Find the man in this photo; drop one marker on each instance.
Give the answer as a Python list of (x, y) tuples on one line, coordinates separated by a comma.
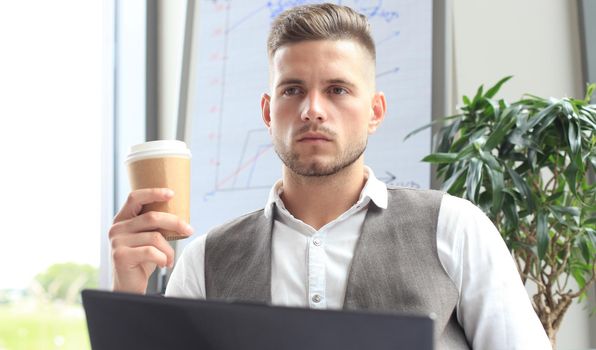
[(332, 235)]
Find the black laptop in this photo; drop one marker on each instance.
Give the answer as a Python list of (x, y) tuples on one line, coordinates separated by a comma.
[(127, 321)]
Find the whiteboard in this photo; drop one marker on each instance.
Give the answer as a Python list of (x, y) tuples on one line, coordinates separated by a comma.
[(233, 163)]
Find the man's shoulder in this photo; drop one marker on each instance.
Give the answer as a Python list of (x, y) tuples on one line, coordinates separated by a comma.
[(240, 223), (414, 194), (393, 188), (448, 203)]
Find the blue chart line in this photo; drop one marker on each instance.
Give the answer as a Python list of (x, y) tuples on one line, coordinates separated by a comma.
[(279, 6), (237, 171), (371, 11), (388, 178), (219, 187), (391, 71), (245, 147), (247, 17), (254, 164), (221, 98), (377, 11), (393, 35), (282, 5)]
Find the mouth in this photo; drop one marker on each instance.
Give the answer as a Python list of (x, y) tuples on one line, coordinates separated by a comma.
[(313, 137)]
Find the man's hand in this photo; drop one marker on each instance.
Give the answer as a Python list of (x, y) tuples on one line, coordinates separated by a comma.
[(137, 245)]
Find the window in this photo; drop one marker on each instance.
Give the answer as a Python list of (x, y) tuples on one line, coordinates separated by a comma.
[(53, 93)]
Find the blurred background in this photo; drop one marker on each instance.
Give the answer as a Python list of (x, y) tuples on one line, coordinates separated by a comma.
[(52, 102), (81, 81)]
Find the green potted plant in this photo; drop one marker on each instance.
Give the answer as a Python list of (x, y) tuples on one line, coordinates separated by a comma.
[(526, 164)]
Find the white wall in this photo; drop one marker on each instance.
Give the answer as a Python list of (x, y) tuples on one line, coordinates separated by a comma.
[(536, 41)]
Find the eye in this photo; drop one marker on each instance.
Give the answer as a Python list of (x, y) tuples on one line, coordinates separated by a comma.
[(291, 91), (338, 90)]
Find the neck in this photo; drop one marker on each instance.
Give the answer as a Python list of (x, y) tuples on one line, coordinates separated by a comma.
[(318, 200)]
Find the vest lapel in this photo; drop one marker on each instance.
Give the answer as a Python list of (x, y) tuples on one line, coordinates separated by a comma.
[(395, 261), (369, 277), (238, 262)]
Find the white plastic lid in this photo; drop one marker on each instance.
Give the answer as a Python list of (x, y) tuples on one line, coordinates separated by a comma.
[(160, 148)]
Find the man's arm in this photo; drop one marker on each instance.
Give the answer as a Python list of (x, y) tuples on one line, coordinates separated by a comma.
[(493, 307)]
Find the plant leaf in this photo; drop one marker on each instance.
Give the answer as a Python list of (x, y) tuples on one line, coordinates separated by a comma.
[(590, 221), (441, 158), (554, 196), (473, 180), (466, 100), (546, 112), (587, 249), (584, 116), (494, 110), (498, 133), (489, 160), (518, 138), (447, 134), (478, 95), (558, 216), (542, 233), (573, 211), (577, 273), (589, 92), (466, 152), (497, 183), (574, 137), (510, 210), (493, 90), (571, 175), (449, 183), (440, 120), (546, 122), (522, 187)]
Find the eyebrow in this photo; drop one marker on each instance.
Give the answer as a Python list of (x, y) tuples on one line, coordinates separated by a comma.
[(341, 82), (292, 81)]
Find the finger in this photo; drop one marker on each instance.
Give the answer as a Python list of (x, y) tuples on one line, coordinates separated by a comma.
[(132, 257), (141, 239), (151, 221), (136, 199)]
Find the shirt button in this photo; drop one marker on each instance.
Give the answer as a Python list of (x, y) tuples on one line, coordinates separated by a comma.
[(316, 298), (316, 242)]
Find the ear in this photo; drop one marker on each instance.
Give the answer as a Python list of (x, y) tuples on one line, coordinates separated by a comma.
[(265, 110), (379, 108)]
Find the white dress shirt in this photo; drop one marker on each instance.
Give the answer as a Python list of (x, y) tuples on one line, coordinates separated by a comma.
[(309, 268)]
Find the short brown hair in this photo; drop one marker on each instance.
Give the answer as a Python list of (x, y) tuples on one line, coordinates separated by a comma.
[(320, 22)]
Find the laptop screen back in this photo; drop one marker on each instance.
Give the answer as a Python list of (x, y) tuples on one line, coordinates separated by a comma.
[(126, 321)]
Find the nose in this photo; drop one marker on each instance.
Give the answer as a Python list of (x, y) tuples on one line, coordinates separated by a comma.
[(313, 108)]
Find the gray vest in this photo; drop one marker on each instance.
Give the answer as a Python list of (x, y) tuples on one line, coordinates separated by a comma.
[(395, 267)]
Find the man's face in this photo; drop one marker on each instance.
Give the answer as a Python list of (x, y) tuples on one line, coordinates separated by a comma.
[(322, 105)]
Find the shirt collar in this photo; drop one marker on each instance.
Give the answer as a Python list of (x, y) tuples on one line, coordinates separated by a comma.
[(374, 189)]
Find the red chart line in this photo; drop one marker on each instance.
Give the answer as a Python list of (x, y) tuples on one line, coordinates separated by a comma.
[(242, 167)]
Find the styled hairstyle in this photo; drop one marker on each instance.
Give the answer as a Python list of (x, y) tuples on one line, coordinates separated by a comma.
[(320, 22)]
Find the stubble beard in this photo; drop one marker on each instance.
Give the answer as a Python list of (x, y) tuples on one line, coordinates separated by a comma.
[(315, 168)]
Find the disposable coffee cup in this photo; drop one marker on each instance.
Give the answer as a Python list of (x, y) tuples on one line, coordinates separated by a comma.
[(163, 164)]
